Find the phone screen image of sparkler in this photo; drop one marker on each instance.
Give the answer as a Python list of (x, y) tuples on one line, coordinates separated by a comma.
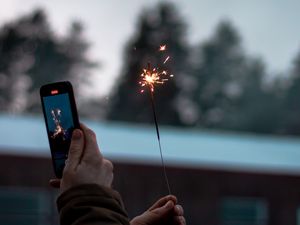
[(60, 126)]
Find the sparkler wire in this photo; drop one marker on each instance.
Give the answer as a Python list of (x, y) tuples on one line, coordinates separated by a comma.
[(158, 139)]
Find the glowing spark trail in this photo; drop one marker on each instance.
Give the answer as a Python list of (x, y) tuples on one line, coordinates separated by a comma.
[(149, 78), (166, 59)]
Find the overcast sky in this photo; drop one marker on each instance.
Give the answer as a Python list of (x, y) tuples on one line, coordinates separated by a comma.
[(269, 28)]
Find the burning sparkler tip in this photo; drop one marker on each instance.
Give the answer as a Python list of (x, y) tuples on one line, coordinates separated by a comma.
[(162, 48), (153, 75)]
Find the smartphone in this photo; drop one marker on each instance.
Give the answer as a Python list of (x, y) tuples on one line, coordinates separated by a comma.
[(61, 118)]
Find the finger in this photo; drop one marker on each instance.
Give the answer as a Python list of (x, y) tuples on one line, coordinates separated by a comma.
[(54, 183), (76, 149), (179, 220), (91, 146), (108, 165), (164, 210), (163, 201), (178, 210)]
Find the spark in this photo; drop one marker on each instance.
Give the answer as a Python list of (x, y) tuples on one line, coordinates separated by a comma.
[(151, 77), (166, 60), (154, 76), (162, 48)]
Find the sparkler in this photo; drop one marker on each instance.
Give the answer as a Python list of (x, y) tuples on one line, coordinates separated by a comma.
[(56, 114), (151, 77)]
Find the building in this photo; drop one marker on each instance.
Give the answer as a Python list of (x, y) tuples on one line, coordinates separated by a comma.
[(220, 178)]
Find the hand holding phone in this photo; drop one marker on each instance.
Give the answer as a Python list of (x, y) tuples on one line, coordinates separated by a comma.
[(61, 118), (86, 164)]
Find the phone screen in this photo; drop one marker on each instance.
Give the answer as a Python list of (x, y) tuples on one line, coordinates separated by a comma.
[(60, 125)]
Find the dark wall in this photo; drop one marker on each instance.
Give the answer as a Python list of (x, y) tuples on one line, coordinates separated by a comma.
[(199, 190)]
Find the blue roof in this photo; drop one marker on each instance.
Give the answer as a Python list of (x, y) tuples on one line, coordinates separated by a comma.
[(26, 135)]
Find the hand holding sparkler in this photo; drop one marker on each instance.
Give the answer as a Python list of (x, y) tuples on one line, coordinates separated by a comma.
[(164, 211)]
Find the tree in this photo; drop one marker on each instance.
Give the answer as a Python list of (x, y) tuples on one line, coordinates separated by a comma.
[(219, 72), (76, 47), (157, 26), (259, 108), (291, 105), (31, 55), (231, 93)]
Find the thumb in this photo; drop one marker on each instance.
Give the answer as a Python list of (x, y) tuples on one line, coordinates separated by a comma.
[(54, 183), (165, 209), (76, 149)]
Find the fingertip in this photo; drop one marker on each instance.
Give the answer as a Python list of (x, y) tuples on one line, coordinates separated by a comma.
[(54, 183), (52, 180), (77, 134), (178, 210), (76, 147), (83, 126), (172, 198), (163, 201), (169, 204)]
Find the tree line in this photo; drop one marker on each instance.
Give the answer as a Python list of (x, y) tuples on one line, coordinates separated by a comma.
[(32, 54), (216, 84)]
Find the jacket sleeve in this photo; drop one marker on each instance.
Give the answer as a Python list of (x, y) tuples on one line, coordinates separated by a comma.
[(91, 204)]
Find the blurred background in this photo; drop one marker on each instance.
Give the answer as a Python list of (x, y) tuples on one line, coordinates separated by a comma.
[(229, 118)]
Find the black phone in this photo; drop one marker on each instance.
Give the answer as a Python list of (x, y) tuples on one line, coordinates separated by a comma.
[(61, 118)]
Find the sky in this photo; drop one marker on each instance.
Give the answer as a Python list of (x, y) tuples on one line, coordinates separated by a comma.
[(269, 28)]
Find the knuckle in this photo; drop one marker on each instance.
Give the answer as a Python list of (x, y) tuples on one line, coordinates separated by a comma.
[(108, 164), (112, 177), (74, 147), (183, 220), (96, 160), (99, 158), (92, 134), (67, 172)]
